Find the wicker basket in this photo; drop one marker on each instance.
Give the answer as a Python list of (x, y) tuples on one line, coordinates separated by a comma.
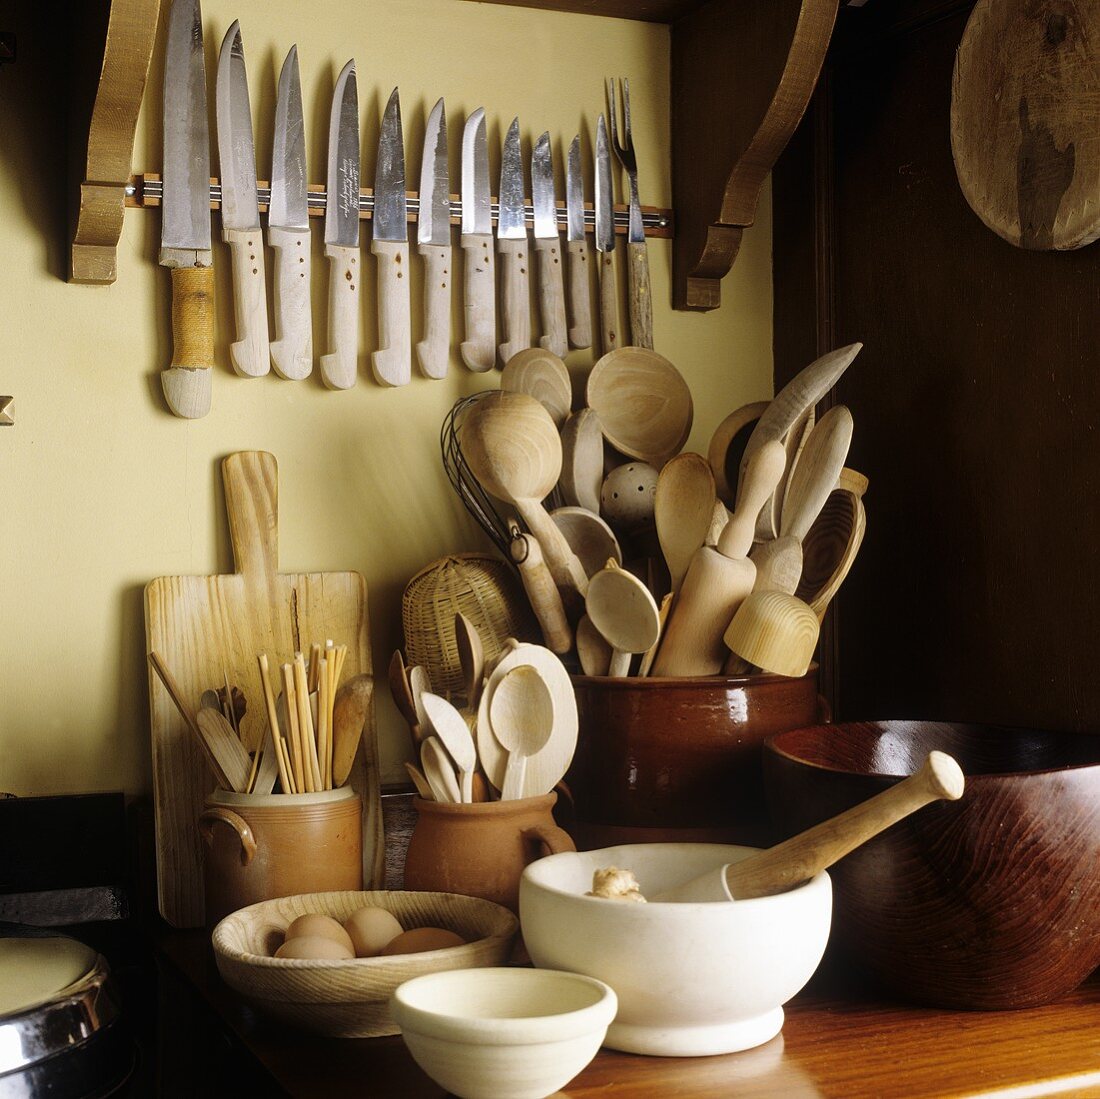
[(485, 590)]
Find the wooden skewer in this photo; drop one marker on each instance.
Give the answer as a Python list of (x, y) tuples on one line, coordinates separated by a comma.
[(314, 657), (296, 753), (305, 724), (253, 770), (232, 715), (285, 772), (324, 728)]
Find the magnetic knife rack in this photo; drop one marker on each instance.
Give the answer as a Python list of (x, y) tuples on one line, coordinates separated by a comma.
[(146, 190)]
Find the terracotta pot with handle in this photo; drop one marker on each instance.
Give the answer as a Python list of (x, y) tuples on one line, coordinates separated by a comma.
[(481, 849), (258, 847)]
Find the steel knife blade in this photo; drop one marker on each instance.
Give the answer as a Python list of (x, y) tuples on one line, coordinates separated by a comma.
[(512, 244), (548, 250), (433, 234), (185, 214), (605, 242), (392, 361), (288, 230), (580, 308), (338, 367), (479, 287), (251, 354)]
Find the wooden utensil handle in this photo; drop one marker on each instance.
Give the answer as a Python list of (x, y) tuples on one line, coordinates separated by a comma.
[(610, 336), (807, 854), (641, 297), (564, 565), (551, 296), (580, 305), (433, 352), (479, 348), (340, 366), (186, 382), (514, 774), (761, 476), (292, 350), (392, 362), (542, 594), (251, 354), (515, 296), (209, 817), (620, 664)]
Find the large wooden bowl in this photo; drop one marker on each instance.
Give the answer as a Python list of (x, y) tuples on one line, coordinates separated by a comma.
[(350, 999), (989, 902)]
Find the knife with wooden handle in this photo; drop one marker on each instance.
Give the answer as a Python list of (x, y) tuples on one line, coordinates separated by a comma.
[(288, 230), (514, 248), (479, 289), (185, 223), (605, 244), (580, 307), (548, 250), (433, 234), (340, 366)]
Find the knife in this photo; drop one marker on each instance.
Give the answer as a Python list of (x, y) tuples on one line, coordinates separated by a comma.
[(580, 308), (479, 292), (185, 222), (288, 230), (513, 248), (338, 367), (251, 354), (392, 362), (548, 250), (605, 243), (433, 235)]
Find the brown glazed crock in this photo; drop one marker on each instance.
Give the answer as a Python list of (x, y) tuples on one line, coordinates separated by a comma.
[(664, 759), (989, 902), (481, 849), (258, 847)]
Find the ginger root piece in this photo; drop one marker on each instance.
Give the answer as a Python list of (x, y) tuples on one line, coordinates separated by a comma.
[(616, 885)]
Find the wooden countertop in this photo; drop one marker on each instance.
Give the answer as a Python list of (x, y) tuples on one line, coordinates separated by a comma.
[(839, 1041)]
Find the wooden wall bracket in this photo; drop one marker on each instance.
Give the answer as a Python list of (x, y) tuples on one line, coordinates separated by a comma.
[(742, 73), (131, 32)]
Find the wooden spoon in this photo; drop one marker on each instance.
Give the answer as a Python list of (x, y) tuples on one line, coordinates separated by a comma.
[(683, 510), (349, 715), (402, 692), (419, 683), (806, 855), (439, 772), (419, 781), (451, 728), (512, 447), (591, 539), (582, 459), (650, 655), (522, 716), (225, 746), (471, 657), (593, 651), (623, 610), (830, 549), (542, 375), (727, 445), (643, 403)]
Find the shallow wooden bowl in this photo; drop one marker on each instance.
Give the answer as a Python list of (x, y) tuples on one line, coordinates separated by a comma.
[(989, 902), (350, 999)]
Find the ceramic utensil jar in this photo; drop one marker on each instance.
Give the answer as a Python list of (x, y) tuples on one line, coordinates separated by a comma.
[(258, 847), (481, 850)]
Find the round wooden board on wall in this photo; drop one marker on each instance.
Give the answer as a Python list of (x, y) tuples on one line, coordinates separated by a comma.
[(1025, 120)]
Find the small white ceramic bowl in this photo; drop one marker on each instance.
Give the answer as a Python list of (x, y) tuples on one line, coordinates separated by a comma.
[(503, 1033), (692, 978)]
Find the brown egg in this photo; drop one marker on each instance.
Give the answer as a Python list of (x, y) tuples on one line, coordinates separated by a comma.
[(420, 939), (313, 946), (370, 930), (325, 927)]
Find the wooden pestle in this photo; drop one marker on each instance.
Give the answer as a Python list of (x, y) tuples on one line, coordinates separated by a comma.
[(718, 578), (804, 856)]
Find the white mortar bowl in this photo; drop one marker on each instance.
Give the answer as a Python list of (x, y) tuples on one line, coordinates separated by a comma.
[(503, 1033), (692, 979)]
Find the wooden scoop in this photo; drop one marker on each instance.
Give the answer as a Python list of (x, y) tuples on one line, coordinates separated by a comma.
[(402, 694), (540, 374), (683, 511), (512, 447), (223, 744), (830, 549), (582, 470), (522, 716), (590, 538), (451, 728), (349, 714), (806, 855), (625, 613)]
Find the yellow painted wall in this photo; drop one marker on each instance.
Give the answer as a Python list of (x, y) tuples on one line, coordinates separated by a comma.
[(102, 489)]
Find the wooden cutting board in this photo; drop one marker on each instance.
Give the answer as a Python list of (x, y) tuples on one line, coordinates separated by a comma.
[(201, 625), (1025, 120)]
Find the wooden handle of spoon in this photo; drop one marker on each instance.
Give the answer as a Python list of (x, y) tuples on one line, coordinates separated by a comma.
[(542, 593), (804, 856), (761, 476)]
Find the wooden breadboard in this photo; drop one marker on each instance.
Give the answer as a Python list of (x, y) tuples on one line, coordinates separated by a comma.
[(206, 625)]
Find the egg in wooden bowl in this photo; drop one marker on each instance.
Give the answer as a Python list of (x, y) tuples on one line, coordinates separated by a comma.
[(349, 997)]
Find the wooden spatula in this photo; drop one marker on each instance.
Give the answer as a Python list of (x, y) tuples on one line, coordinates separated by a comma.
[(225, 747), (349, 714)]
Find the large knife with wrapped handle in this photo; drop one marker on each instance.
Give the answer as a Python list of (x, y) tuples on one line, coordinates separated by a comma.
[(339, 367), (392, 362), (251, 354), (288, 230), (433, 235), (479, 347), (548, 250), (514, 249), (185, 221)]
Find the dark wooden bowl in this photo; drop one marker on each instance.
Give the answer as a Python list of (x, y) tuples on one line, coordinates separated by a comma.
[(662, 759), (992, 901)]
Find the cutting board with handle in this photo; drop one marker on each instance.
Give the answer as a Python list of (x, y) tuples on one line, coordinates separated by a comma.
[(205, 627)]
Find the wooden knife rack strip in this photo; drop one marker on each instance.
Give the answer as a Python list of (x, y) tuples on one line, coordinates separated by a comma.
[(145, 190)]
